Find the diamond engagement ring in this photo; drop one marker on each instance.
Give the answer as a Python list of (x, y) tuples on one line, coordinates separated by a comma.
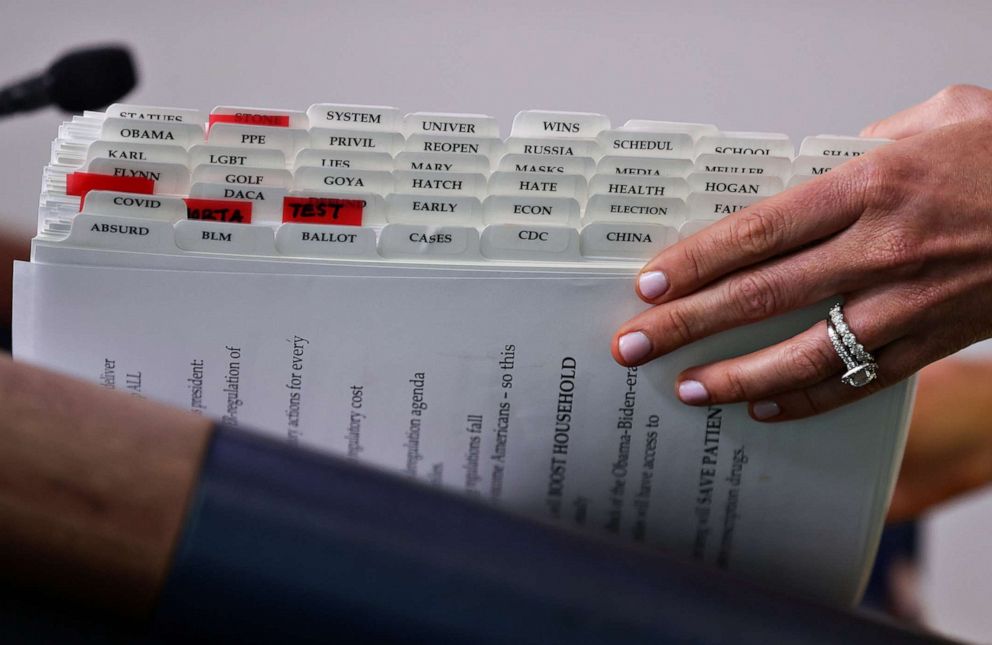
[(861, 366)]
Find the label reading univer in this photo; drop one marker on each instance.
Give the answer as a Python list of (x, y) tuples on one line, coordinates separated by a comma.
[(322, 210), (218, 210)]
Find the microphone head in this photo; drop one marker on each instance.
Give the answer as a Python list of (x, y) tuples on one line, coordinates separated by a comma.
[(92, 78)]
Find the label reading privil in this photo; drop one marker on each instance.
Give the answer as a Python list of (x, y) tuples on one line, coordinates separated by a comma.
[(218, 210), (322, 210)]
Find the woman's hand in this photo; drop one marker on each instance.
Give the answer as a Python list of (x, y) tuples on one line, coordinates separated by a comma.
[(903, 233), (949, 450)]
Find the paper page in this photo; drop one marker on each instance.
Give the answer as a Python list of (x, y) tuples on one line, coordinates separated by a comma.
[(503, 388)]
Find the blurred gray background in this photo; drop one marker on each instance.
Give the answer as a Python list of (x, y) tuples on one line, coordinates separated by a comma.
[(794, 67)]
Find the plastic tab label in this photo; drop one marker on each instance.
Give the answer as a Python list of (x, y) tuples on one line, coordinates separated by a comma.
[(80, 183), (218, 210), (322, 210), (544, 123), (160, 207), (354, 117)]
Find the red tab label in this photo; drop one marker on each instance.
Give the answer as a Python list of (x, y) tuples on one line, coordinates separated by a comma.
[(322, 210), (218, 210), (248, 118), (80, 183)]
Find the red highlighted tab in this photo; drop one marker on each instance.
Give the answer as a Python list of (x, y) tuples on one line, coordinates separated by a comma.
[(218, 210), (322, 210), (80, 183), (249, 118)]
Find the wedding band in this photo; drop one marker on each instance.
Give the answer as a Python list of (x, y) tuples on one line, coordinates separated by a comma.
[(861, 366)]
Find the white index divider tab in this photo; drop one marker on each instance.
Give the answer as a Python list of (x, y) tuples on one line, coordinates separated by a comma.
[(242, 177), (490, 147), (766, 144), (554, 147), (550, 124), (697, 130), (780, 167), (157, 207), (693, 226), (465, 184), (236, 156), (354, 117), (257, 136), (151, 132), (137, 152), (266, 201), (532, 241), (717, 182), (344, 159), (647, 143), (644, 166), (155, 113), (122, 233), (527, 209), (829, 145), (326, 241), (713, 206), (466, 125), (265, 117), (547, 164), (169, 178), (428, 241), (434, 209), (376, 182), (670, 211), (538, 185), (442, 162), (634, 240), (639, 186), (366, 140), (223, 237), (805, 165)]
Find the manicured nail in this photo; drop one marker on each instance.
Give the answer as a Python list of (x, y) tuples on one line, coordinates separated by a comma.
[(634, 346), (693, 392), (652, 284), (765, 410)]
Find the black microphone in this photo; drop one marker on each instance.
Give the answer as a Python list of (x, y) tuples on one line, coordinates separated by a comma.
[(83, 79)]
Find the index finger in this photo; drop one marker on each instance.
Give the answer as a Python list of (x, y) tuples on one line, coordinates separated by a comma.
[(771, 227)]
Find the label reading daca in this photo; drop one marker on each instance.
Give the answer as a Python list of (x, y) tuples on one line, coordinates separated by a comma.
[(218, 210), (322, 210)]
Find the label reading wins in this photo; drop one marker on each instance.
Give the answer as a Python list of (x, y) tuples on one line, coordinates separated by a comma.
[(80, 183), (248, 118), (322, 210), (219, 210)]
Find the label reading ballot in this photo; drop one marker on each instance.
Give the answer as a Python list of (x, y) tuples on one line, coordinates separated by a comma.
[(322, 210)]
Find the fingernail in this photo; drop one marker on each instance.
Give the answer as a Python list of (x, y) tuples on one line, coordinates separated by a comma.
[(693, 392), (765, 410), (652, 284), (634, 346)]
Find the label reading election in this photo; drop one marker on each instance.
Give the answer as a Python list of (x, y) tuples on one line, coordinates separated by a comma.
[(249, 118), (80, 183), (322, 210), (218, 210)]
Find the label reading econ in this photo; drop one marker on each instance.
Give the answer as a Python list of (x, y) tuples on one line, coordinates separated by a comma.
[(322, 210), (80, 183), (218, 210)]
